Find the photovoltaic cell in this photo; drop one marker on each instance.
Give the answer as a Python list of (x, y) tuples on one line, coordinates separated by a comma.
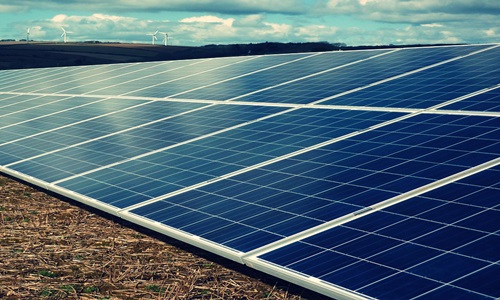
[(58, 165), (432, 86), (19, 109), (337, 81), (38, 77), (324, 184), (84, 109), (208, 158), (487, 101), (198, 74), (423, 247), (279, 75)]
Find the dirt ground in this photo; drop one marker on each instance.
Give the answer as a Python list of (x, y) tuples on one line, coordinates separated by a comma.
[(53, 248)]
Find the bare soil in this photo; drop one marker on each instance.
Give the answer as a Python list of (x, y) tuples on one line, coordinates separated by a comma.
[(53, 248)]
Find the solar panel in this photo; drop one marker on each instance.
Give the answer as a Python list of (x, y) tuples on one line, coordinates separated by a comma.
[(376, 68), (486, 101), (442, 244), (356, 174), (432, 86)]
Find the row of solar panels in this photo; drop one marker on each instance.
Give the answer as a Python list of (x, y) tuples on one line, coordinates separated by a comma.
[(334, 78), (369, 189)]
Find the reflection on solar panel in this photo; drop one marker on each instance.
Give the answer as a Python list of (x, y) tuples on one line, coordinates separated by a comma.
[(357, 174)]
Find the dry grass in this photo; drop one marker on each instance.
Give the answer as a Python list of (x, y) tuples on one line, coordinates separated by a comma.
[(54, 249)]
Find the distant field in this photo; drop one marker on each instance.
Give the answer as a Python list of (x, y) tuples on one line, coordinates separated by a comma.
[(19, 55)]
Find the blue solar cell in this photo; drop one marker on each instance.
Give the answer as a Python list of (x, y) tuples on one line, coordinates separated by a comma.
[(367, 246), (377, 163), (267, 219), (375, 179), (434, 172), (353, 76), (132, 143), (252, 241), (471, 159), (36, 107), (171, 78), (220, 159), (242, 212), (293, 225), (450, 213), (303, 205), (337, 236), (339, 174), (75, 131), (383, 220), (487, 197), (363, 192), (448, 238), (409, 229), (469, 145), (220, 233), (399, 286), (484, 221), (404, 184), (274, 76), (448, 292), (422, 239), (201, 225), (89, 108), (404, 256), (413, 206), (448, 267), (483, 281), (358, 275), (332, 211), (486, 248), (354, 193), (488, 101), (294, 252), (317, 264), (449, 81)]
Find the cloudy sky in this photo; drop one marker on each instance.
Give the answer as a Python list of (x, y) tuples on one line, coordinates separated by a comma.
[(201, 22)]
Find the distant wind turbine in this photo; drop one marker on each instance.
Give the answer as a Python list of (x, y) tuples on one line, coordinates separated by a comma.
[(165, 38), (153, 36), (28, 35), (64, 35)]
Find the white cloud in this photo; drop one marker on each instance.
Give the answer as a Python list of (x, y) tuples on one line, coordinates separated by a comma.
[(316, 33), (9, 8), (209, 19), (93, 27), (276, 29), (490, 32), (364, 2), (210, 29), (59, 18), (250, 21), (432, 25)]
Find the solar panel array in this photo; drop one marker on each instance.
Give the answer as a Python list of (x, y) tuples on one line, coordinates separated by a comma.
[(357, 174)]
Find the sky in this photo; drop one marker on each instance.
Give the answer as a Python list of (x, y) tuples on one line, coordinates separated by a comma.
[(202, 22)]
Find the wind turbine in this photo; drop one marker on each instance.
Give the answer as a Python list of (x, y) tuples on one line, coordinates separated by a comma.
[(165, 38), (28, 35), (153, 36), (64, 34)]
